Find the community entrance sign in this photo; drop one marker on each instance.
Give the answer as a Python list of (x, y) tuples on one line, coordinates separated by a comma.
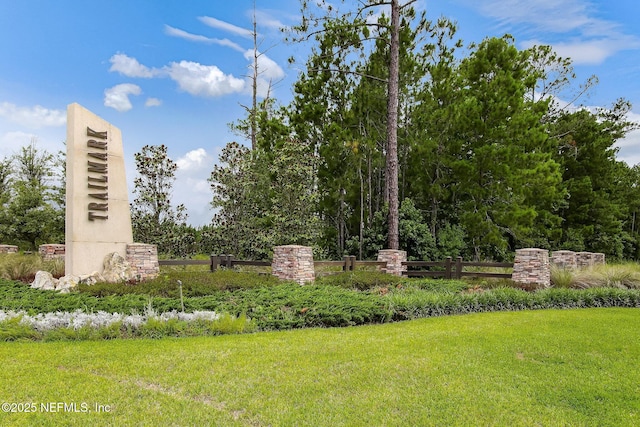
[(98, 217)]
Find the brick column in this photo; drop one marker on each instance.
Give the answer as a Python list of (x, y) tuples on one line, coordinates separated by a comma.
[(143, 259), (564, 259), (531, 267), (51, 251), (8, 249), (394, 259), (584, 259), (293, 262), (599, 259)]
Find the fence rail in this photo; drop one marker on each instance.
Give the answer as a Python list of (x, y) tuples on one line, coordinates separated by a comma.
[(449, 269), (349, 263)]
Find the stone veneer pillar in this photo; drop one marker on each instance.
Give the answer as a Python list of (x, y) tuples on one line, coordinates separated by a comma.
[(293, 262), (8, 249), (51, 251), (143, 259), (564, 259), (531, 267), (394, 259), (584, 259), (599, 258)]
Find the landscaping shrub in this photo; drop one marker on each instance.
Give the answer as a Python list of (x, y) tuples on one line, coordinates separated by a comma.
[(412, 304), (78, 325), (194, 284), (361, 280), (24, 267), (332, 301)]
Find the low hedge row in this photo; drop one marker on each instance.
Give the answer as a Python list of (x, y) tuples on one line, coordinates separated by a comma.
[(288, 305), (409, 304)]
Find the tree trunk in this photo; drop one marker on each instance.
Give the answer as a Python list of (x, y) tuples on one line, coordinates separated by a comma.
[(392, 127), (254, 83)]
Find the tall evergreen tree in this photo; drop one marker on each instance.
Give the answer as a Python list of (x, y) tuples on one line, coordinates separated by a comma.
[(594, 214), (505, 159)]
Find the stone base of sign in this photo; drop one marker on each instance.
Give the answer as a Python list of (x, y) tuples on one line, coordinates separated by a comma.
[(8, 249), (143, 259), (531, 267), (564, 259), (394, 259), (293, 262), (49, 252)]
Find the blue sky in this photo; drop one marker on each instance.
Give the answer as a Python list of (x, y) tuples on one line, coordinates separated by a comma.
[(174, 72)]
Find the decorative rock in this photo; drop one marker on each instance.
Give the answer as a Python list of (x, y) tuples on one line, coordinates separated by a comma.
[(67, 283), (531, 267), (45, 281), (117, 269), (293, 262), (91, 279), (394, 259)]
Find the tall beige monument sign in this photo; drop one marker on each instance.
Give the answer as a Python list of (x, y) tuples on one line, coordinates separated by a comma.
[(98, 219)]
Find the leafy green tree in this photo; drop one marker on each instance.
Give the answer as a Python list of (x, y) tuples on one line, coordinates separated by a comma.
[(415, 235), (435, 119), (343, 38), (263, 199), (29, 220), (153, 218), (342, 108), (597, 204), (33, 165), (30, 214), (504, 164), (5, 176), (240, 200)]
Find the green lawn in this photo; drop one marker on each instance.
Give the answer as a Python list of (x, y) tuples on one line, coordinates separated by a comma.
[(547, 367)]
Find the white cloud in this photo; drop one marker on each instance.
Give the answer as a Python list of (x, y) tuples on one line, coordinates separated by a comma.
[(176, 32), (269, 72), (130, 67), (117, 97), (225, 26), (33, 117), (203, 80), (191, 187), (592, 40), (194, 160), (12, 141), (266, 20), (152, 102)]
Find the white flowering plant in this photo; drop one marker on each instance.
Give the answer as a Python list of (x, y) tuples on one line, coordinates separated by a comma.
[(81, 325)]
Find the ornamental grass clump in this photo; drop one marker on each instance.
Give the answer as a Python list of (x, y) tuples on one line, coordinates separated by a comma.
[(622, 276), (23, 267)]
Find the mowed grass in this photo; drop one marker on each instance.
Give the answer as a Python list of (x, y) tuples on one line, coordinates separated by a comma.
[(548, 367)]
